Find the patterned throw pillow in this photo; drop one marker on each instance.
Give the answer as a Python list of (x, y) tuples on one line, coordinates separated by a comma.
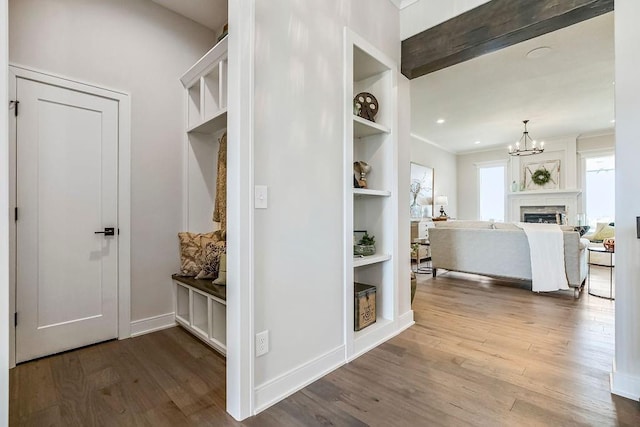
[(211, 254), (191, 251)]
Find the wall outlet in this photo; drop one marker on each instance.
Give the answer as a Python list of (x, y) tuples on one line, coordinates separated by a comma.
[(262, 343)]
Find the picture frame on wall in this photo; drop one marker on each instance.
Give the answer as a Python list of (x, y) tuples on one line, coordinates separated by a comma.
[(549, 170), (421, 191)]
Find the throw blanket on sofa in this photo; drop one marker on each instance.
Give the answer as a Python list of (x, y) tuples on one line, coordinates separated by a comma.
[(546, 246)]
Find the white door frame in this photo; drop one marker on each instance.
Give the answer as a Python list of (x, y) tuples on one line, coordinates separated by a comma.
[(4, 214), (124, 186), (240, 211)]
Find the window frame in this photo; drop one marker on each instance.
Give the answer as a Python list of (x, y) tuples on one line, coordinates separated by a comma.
[(584, 156), (491, 164)]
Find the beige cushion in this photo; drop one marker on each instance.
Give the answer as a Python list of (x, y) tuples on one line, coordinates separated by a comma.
[(604, 233), (191, 246), (464, 224), (505, 226), (222, 274)]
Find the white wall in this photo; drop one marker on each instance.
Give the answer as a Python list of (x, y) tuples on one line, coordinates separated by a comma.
[(404, 181), (563, 148), (5, 318), (299, 121), (140, 48), (626, 372), (444, 170), (428, 13), (596, 142)]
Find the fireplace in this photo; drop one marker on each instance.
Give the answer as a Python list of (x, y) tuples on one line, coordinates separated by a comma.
[(552, 201), (544, 214)]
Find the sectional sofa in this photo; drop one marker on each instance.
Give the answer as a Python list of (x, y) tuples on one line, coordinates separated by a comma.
[(499, 250)]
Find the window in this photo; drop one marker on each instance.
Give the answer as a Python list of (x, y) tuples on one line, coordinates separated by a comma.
[(492, 192), (600, 189)]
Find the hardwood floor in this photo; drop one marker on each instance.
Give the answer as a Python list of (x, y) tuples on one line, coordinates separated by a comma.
[(482, 352)]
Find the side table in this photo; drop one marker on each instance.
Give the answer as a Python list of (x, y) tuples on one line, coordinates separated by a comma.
[(419, 269), (610, 267)]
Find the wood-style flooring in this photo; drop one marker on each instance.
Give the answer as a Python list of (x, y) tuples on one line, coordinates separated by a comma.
[(482, 353)]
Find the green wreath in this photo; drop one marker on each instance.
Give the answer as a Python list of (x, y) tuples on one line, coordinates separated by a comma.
[(541, 176)]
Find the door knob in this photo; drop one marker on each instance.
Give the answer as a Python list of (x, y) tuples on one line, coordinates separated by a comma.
[(108, 231)]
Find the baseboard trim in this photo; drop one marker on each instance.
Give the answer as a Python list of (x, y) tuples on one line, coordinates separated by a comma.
[(152, 324), (275, 390), (625, 385), (405, 321), (381, 336)]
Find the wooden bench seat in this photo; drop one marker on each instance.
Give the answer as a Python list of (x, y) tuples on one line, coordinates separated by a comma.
[(203, 285)]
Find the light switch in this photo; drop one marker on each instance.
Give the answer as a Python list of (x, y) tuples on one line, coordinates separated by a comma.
[(260, 192)]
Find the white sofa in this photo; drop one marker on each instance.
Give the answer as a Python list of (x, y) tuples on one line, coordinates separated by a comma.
[(499, 250)]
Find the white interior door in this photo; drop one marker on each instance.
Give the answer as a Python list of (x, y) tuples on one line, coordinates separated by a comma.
[(67, 183)]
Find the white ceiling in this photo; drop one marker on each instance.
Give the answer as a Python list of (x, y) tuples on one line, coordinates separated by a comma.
[(210, 13), (567, 92)]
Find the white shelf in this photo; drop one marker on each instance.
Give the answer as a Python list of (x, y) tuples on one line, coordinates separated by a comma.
[(205, 64), (363, 128), (216, 122), (380, 323), (368, 260), (368, 192)]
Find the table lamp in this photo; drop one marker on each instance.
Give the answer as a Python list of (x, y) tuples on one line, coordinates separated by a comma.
[(442, 201)]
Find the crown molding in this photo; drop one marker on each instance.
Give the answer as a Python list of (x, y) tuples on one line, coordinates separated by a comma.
[(401, 4)]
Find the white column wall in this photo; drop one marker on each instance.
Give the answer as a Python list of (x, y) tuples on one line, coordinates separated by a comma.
[(404, 180), (626, 370), (298, 139)]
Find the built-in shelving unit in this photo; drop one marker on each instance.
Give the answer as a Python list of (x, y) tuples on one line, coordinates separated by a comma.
[(205, 83), (373, 209)]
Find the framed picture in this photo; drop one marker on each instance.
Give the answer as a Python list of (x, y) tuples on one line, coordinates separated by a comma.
[(542, 175), (421, 191)]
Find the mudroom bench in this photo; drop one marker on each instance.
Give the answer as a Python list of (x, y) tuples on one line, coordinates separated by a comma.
[(201, 308)]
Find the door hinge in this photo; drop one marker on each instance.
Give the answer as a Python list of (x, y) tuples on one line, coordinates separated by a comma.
[(15, 107), (15, 213), (15, 319)]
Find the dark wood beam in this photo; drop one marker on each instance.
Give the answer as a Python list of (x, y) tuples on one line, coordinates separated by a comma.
[(489, 27)]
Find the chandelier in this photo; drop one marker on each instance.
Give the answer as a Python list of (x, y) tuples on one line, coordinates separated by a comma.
[(521, 146)]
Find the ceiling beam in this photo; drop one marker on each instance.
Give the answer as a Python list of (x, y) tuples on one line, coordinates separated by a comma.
[(489, 27)]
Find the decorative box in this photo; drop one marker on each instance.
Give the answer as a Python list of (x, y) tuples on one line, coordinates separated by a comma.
[(365, 306)]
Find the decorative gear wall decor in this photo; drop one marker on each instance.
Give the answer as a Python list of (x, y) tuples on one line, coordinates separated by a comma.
[(366, 105)]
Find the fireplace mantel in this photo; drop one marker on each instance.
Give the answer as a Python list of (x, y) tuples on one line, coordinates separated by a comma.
[(574, 193), (563, 197)]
